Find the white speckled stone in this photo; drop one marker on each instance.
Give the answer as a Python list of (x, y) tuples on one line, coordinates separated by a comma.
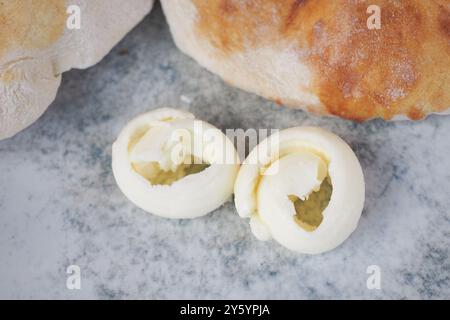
[(59, 204)]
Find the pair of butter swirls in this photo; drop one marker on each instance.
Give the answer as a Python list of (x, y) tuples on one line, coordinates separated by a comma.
[(302, 186)]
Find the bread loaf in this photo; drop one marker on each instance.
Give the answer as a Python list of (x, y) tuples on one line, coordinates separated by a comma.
[(321, 55), (36, 47)]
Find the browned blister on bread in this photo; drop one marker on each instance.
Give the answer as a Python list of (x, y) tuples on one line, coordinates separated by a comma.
[(30, 25), (339, 66)]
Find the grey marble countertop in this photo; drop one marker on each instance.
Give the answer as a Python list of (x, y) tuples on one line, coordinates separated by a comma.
[(60, 206)]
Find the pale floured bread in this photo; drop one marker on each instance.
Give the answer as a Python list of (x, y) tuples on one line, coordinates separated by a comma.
[(36, 47), (319, 55)]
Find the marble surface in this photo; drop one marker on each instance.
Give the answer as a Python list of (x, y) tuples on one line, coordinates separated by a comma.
[(60, 206)]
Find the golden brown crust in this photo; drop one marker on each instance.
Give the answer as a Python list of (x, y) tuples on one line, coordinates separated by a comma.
[(401, 69), (28, 24)]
